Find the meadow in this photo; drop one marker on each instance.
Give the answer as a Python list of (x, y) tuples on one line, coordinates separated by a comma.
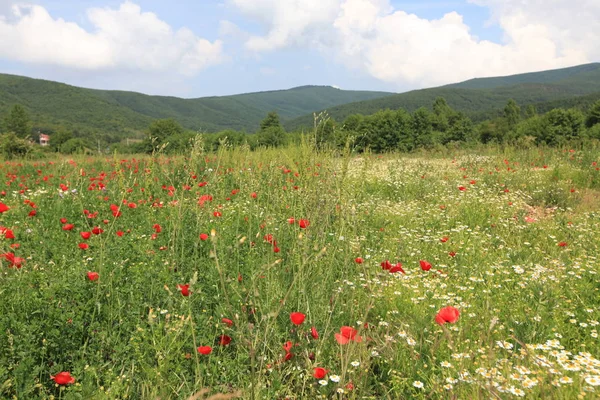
[(299, 274)]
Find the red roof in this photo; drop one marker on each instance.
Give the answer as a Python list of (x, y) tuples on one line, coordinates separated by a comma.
[(44, 137)]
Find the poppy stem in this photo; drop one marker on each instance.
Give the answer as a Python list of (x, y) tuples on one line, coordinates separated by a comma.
[(191, 320)]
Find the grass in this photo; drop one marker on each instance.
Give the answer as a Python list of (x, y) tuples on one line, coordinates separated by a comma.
[(516, 252)]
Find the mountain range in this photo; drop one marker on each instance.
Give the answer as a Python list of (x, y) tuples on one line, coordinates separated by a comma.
[(115, 115)]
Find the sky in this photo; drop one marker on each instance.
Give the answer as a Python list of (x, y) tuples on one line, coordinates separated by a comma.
[(197, 48)]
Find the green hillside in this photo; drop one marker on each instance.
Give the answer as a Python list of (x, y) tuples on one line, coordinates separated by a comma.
[(574, 75), (120, 114), (483, 95)]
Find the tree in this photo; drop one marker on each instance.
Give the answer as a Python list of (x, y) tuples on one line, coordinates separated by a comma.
[(17, 121), (271, 121), (422, 128), (512, 113), (60, 137), (13, 146), (530, 111), (73, 146), (593, 116), (159, 130), (271, 132), (561, 125), (460, 129)]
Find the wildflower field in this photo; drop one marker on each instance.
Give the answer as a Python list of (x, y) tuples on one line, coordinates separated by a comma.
[(296, 274)]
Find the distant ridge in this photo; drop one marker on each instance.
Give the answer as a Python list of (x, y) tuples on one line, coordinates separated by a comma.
[(479, 96), (116, 113), (113, 114)]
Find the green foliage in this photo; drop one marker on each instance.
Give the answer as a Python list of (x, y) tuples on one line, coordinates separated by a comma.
[(17, 121), (73, 146), (59, 138), (530, 111), (271, 121), (271, 132), (593, 117), (559, 126), (13, 146), (326, 132), (512, 113), (160, 131)]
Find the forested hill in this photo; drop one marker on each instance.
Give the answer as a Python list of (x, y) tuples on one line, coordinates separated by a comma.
[(120, 114), (483, 96)]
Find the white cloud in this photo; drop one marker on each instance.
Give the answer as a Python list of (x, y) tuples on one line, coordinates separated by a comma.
[(123, 38), (402, 48)]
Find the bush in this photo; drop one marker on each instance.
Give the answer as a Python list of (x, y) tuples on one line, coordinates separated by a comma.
[(73, 146), (12, 146)]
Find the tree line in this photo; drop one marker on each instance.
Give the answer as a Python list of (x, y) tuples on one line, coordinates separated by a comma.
[(384, 131), (399, 130)]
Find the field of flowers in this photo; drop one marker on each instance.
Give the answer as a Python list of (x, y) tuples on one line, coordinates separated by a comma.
[(293, 274)]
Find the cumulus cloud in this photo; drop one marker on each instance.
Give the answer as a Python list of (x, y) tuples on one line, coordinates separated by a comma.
[(402, 48), (123, 38)]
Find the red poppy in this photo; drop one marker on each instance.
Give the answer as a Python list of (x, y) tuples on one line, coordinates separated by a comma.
[(227, 321), (119, 233), (16, 262), (358, 260), (224, 340), (206, 350), (462, 188), (3, 208), (452, 253), (97, 230), (93, 276), (386, 265), (184, 289), (297, 318), (63, 220), (447, 314), (291, 221), (63, 378), (68, 227), (562, 244), (85, 235), (269, 239), (347, 334), (287, 346), (314, 333), (253, 195), (444, 239), (203, 236), (83, 246), (217, 214), (32, 213), (8, 233), (397, 268), (319, 373), (303, 223), (425, 266), (157, 228)]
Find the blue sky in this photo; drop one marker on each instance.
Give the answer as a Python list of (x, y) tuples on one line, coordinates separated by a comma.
[(256, 45)]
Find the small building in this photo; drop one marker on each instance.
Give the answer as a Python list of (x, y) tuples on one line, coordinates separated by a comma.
[(44, 139)]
